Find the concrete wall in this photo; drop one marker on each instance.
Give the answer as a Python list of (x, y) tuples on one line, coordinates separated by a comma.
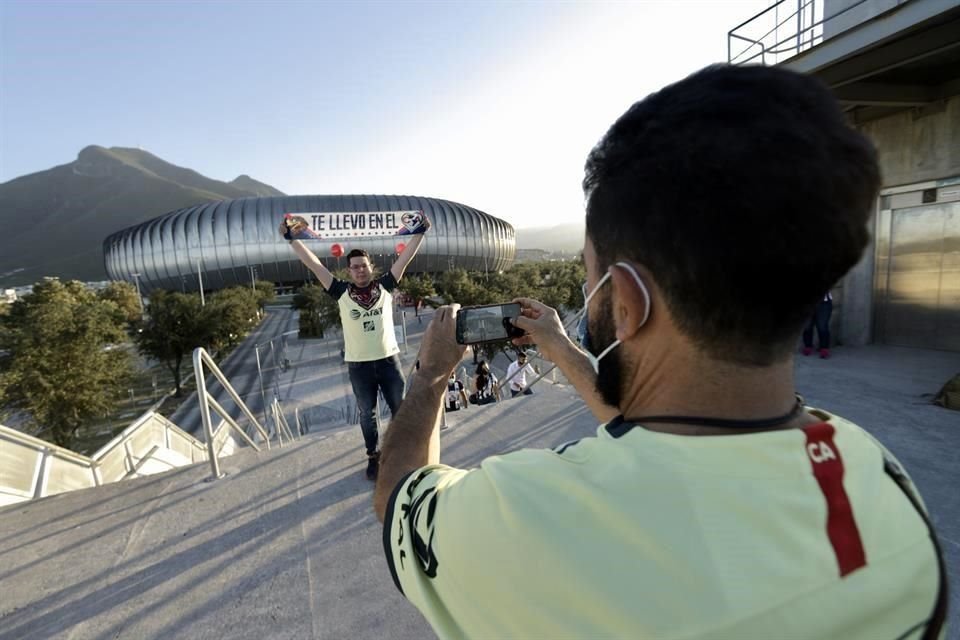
[(918, 145), (913, 146)]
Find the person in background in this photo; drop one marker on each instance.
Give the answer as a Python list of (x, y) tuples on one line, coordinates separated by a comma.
[(456, 395), (485, 386), (820, 320), (517, 375)]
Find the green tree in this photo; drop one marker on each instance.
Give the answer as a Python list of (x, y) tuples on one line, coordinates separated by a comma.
[(61, 362), (266, 293), (174, 327), (419, 288), (318, 311), (124, 295), (562, 284), (456, 285), (229, 315)]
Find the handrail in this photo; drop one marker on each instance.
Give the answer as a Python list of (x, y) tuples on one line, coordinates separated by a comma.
[(802, 42), (134, 426), (281, 421), (227, 420), (35, 468), (200, 358)]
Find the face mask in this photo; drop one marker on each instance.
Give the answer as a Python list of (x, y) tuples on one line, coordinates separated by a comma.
[(586, 342)]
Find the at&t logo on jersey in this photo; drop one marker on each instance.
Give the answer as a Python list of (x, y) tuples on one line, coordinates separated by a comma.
[(355, 314)]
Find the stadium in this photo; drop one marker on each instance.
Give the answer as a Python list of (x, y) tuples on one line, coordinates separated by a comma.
[(233, 242)]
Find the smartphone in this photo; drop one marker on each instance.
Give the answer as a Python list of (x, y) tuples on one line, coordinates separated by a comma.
[(488, 323)]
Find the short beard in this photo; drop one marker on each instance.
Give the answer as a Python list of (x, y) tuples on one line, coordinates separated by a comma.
[(602, 335)]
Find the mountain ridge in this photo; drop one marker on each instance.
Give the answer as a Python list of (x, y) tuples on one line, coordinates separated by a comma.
[(55, 220), (562, 237)]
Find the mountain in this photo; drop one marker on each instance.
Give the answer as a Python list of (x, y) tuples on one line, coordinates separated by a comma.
[(564, 237), (54, 221), (247, 183)]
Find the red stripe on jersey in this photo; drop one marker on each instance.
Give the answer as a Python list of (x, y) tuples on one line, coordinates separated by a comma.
[(828, 470)]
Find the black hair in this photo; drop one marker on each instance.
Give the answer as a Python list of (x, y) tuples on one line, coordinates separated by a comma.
[(357, 253), (745, 193)]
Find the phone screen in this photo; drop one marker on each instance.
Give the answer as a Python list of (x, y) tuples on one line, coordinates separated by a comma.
[(487, 323)]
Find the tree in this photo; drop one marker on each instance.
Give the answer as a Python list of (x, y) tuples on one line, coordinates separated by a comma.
[(418, 288), (124, 295), (266, 293), (456, 285), (229, 315), (318, 311), (174, 327), (562, 284), (61, 363)]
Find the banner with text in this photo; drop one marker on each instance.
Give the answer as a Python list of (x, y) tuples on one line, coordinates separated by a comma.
[(361, 224)]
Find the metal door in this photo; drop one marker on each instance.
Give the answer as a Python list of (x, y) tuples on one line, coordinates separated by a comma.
[(918, 276)]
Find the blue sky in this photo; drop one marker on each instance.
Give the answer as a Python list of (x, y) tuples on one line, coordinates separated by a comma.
[(493, 104)]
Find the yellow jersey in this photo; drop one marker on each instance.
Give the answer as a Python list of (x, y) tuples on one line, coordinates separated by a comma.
[(777, 535)]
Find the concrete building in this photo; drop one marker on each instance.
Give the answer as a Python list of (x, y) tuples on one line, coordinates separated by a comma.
[(895, 66), (232, 242)]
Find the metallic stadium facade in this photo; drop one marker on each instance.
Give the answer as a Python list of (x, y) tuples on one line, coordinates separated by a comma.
[(229, 243)]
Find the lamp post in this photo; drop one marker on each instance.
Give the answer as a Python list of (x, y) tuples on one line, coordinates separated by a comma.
[(253, 281), (203, 302)]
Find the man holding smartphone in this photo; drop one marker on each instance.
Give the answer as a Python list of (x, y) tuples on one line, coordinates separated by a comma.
[(712, 502), (370, 344)]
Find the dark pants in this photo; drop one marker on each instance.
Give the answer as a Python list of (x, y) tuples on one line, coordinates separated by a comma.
[(367, 378), (529, 392), (820, 320)]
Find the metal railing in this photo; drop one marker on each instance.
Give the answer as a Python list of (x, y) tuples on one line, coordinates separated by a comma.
[(150, 444), (220, 435), (33, 468), (770, 39), (283, 427)]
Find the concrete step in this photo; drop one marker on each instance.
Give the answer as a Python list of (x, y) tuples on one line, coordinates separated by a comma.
[(285, 546)]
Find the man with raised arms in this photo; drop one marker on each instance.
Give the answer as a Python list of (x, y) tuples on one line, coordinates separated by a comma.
[(370, 344)]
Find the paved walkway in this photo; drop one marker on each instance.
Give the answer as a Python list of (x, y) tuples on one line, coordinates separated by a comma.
[(286, 546)]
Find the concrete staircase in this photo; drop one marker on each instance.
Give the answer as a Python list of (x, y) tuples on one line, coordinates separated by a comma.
[(285, 546)]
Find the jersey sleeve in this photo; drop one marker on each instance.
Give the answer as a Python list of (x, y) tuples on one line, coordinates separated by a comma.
[(337, 288), (387, 281), (440, 533)]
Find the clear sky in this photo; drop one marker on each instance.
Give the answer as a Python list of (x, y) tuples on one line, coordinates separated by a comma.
[(492, 104)]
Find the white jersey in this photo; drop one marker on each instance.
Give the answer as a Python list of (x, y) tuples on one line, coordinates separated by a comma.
[(519, 381)]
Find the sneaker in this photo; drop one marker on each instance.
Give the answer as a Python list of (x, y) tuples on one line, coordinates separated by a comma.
[(806, 351), (824, 353), (373, 465)]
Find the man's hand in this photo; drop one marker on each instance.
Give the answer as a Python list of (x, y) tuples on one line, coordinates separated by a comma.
[(285, 230), (439, 351), (543, 327)]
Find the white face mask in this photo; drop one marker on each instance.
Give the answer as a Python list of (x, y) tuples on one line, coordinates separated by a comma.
[(595, 359)]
